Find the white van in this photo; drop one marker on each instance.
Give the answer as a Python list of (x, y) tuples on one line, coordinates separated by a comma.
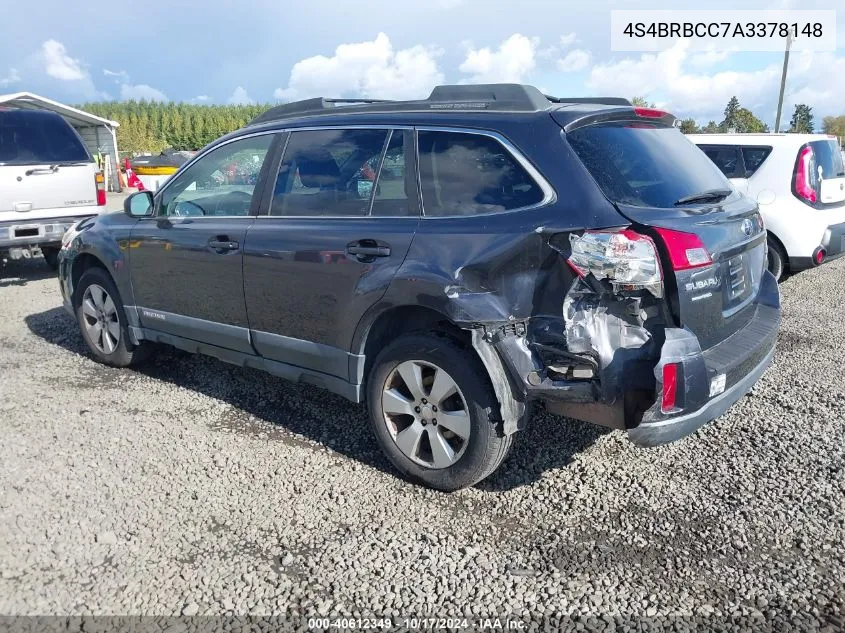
[(48, 181), (799, 182)]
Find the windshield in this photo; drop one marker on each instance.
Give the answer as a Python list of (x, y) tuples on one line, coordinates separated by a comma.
[(37, 138), (828, 158), (645, 165)]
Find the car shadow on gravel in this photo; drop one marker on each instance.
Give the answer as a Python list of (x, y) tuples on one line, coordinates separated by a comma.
[(261, 405), (19, 272)]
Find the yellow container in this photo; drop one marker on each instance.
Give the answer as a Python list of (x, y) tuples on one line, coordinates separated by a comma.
[(155, 170)]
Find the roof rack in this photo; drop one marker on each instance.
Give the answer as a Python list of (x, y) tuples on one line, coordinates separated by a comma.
[(485, 97), (621, 101)]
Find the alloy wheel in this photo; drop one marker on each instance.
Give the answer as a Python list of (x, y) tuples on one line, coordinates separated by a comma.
[(99, 315), (426, 414)]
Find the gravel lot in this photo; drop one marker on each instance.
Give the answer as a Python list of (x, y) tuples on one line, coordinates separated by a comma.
[(194, 487)]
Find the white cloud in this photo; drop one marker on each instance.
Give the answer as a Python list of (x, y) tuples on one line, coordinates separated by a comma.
[(514, 59), (120, 76), (708, 58), (574, 61), (58, 64), (667, 76), (240, 97), (11, 77), (568, 39), (141, 91), (201, 98), (365, 69)]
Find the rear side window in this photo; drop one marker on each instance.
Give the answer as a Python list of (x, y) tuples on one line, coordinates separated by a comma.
[(328, 173), (468, 174), (726, 158), (34, 138), (754, 157), (828, 158), (644, 165)]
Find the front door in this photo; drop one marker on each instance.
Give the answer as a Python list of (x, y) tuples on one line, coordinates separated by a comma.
[(186, 263), (343, 214)]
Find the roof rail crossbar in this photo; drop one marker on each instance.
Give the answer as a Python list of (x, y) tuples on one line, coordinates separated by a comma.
[(356, 100), (621, 101)]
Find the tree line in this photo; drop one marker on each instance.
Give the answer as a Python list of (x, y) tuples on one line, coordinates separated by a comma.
[(147, 126), (742, 120)]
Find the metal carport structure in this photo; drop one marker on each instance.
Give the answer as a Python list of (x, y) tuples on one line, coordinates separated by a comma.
[(98, 134)]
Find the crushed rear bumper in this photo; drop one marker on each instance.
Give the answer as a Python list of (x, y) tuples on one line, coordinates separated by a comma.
[(739, 361)]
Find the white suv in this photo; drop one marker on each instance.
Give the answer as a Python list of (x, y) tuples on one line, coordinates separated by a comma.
[(799, 182), (48, 181)]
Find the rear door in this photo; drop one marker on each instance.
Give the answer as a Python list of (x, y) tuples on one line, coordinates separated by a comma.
[(339, 222), (186, 263), (654, 175), (45, 169)]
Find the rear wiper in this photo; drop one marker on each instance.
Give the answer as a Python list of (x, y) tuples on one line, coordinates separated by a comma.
[(711, 195)]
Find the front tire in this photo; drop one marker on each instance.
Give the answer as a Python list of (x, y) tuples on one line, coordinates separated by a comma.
[(434, 412), (102, 319), (777, 260)]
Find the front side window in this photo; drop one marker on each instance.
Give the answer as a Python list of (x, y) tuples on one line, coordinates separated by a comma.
[(328, 173), (469, 174), (221, 183), (726, 158)]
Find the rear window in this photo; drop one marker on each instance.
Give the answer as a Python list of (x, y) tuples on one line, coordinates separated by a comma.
[(34, 138), (829, 158), (726, 158), (469, 174), (642, 165), (754, 157)]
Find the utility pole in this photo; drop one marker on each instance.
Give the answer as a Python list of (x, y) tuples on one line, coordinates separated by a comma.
[(783, 80)]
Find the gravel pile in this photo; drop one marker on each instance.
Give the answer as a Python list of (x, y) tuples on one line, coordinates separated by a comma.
[(194, 487)]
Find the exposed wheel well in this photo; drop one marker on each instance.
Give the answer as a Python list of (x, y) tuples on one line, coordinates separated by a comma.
[(396, 322), (82, 263)]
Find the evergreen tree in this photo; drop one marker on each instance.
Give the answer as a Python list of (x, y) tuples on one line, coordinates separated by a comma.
[(802, 119), (688, 126), (729, 122)]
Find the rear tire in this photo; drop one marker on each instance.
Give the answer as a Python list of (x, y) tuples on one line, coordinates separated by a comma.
[(777, 260), (461, 448), (102, 320)]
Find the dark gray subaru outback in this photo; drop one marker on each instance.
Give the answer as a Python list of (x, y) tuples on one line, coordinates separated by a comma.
[(450, 261)]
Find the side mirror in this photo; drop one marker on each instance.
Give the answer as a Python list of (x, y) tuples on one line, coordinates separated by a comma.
[(139, 205)]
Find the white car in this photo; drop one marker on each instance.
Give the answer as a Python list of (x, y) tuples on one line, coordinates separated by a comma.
[(48, 181), (799, 182)]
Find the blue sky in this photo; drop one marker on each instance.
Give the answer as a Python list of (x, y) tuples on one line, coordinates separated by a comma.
[(264, 51)]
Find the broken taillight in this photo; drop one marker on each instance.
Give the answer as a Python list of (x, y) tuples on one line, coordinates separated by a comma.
[(625, 258), (804, 167), (670, 387), (686, 250)]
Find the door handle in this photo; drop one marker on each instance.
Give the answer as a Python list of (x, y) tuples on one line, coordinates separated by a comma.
[(223, 245), (368, 248)]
